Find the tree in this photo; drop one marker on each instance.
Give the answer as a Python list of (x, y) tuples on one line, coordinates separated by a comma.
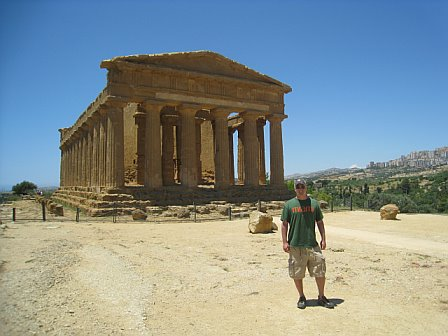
[(290, 185), (24, 187), (405, 186), (366, 188)]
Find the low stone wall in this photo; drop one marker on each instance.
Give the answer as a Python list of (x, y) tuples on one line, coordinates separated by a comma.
[(50, 205), (215, 209)]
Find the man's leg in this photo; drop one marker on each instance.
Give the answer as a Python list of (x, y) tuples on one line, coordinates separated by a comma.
[(320, 285), (322, 300), (302, 300), (299, 286), (297, 267)]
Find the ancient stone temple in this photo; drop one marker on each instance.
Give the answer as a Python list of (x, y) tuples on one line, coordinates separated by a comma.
[(172, 129)]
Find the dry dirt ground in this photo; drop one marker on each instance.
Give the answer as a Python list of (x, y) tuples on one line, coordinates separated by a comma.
[(215, 278)]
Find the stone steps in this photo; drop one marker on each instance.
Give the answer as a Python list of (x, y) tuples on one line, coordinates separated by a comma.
[(103, 202), (98, 204)]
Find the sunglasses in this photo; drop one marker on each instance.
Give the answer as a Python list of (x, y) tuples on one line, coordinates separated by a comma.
[(300, 186)]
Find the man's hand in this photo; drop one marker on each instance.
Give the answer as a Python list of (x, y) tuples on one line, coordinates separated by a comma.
[(286, 247), (323, 244)]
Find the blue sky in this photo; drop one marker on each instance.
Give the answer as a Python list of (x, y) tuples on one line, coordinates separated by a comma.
[(369, 78)]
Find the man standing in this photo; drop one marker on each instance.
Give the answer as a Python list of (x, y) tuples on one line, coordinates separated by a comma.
[(301, 213)]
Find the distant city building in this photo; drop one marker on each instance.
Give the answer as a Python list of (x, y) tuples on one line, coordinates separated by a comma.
[(418, 159)]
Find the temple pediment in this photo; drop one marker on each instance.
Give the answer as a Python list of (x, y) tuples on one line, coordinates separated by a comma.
[(205, 62)]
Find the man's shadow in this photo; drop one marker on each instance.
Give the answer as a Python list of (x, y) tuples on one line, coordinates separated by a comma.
[(314, 303)]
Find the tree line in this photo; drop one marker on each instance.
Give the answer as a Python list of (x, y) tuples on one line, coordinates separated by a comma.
[(414, 194)]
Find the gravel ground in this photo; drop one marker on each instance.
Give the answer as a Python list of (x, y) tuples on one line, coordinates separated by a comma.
[(214, 278)]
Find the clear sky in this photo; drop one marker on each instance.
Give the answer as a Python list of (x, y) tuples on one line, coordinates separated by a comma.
[(369, 77)]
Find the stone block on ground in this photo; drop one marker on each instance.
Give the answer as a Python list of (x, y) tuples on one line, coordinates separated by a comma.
[(183, 213), (155, 210), (389, 211), (139, 215), (203, 210), (58, 210), (260, 222), (223, 210)]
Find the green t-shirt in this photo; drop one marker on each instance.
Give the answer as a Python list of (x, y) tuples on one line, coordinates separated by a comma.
[(302, 216)]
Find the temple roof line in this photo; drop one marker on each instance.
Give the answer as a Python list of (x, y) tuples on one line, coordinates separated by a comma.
[(202, 61)]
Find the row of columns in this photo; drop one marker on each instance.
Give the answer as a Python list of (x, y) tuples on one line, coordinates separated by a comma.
[(252, 154), (94, 155)]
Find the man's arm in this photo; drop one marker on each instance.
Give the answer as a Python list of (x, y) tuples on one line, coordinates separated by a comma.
[(321, 227), (285, 236)]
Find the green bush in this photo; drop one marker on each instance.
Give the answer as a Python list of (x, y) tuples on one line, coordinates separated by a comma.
[(24, 187)]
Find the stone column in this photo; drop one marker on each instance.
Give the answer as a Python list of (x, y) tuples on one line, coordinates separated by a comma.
[(115, 148), (153, 157), (79, 159), (240, 154), (89, 165), (188, 171), (231, 158), (95, 150), (177, 152), (72, 162), (168, 123), (62, 167), (251, 158), (68, 170), (276, 146), (66, 164), (198, 123), (73, 167), (102, 150), (261, 150), (109, 150), (222, 160), (140, 122), (82, 161), (85, 156)]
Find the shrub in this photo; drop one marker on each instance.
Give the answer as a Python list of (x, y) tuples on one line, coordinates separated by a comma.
[(24, 187)]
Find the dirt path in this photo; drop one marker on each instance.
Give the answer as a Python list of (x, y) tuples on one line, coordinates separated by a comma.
[(216, 278), (432, 248)]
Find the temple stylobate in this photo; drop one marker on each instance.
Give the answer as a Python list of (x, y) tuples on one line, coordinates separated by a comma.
[(189, 122)]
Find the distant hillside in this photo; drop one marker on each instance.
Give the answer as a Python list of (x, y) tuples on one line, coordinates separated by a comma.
[(413, 163), (412, 189), (324, 173), (358, 173)]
